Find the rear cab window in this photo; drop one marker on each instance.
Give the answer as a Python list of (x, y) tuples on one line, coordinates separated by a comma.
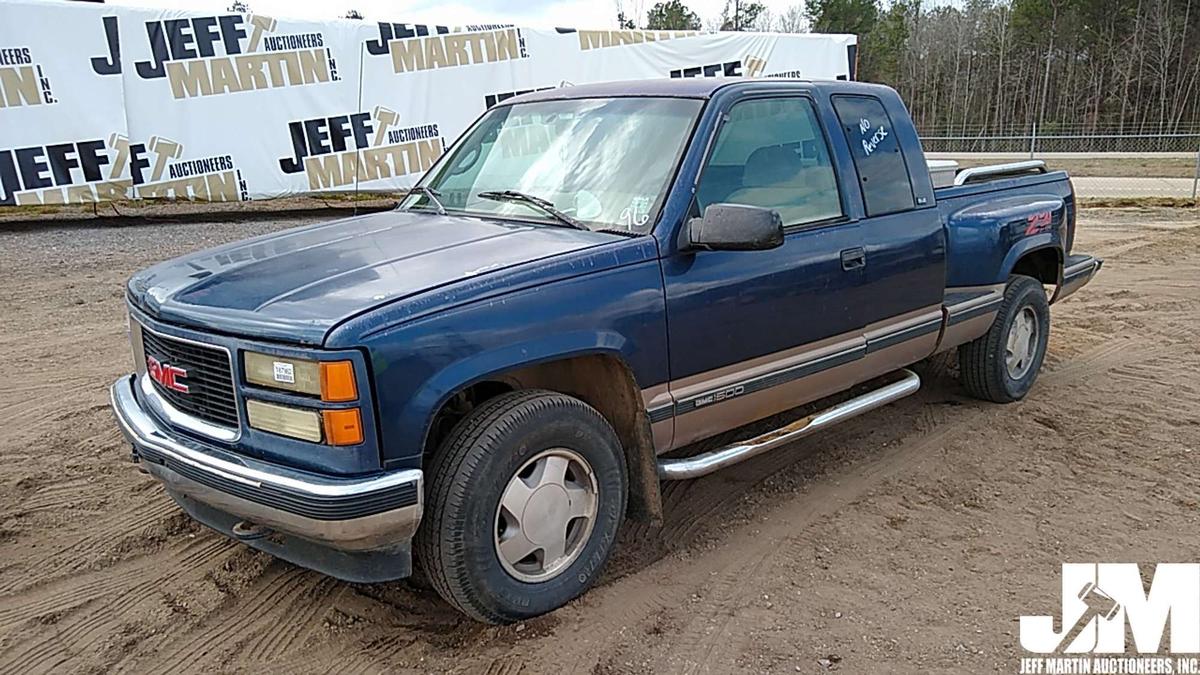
[(878, 159)]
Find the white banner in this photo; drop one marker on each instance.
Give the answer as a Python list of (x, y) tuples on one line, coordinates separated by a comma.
[(100, 103)]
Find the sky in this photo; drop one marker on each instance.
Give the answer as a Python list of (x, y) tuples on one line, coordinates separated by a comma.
[(532, 13)]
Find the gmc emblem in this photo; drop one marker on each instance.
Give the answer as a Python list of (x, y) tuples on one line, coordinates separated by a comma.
[(166, 374)]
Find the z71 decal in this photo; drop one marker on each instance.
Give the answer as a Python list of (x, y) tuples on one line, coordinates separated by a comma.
[(1038, 223)]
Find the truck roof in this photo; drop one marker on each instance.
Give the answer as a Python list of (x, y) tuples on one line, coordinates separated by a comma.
[(687, 87)]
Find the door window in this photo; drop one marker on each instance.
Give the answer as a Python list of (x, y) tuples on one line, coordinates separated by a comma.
[(771, 153), (882, 172)]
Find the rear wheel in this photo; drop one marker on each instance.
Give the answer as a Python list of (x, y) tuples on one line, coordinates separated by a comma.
[(525, 499), (1002, 365)]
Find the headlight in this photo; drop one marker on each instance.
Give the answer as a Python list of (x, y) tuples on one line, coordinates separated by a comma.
[(331, 380), (277, 372), (334, 427), (278, 419)]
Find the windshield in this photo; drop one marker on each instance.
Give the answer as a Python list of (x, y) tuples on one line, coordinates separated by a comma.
[(603, 162)]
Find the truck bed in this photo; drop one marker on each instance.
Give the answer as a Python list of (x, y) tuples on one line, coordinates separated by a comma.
[(997, 220)]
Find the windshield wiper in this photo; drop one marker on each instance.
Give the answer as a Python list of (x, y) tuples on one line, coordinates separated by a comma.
[(432, 195), (543, 204)]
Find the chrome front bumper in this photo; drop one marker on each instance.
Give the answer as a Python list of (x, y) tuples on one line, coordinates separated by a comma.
[(344, 514)]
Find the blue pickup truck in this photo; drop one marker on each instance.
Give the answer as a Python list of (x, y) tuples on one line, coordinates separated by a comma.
[(482, 384)]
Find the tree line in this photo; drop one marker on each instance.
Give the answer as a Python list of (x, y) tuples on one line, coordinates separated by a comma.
[(1002, 66)]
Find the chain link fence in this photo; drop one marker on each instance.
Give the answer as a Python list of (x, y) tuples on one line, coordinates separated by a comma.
[(1104, 162)]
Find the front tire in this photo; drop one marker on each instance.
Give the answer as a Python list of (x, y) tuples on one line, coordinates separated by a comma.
[(1002, 365), (525, 499)]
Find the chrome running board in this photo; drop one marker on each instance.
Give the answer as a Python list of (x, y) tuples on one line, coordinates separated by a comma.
[(700, 465)]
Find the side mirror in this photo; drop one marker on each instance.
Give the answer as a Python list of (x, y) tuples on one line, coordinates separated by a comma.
[(735, 227)]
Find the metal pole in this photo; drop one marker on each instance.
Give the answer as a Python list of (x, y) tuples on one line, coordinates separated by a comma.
[(1033, 140), (1196, 177)]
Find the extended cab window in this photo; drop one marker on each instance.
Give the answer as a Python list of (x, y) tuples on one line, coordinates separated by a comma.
[(771, 153), (878, 159)]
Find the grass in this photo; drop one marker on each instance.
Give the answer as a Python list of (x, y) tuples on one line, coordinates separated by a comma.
[(1137, 202), (1157, 167), (151, 209)]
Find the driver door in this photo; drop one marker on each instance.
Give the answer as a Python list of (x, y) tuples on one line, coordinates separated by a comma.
[(754, 333)]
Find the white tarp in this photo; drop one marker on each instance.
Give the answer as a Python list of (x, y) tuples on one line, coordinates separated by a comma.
[(100, 103)]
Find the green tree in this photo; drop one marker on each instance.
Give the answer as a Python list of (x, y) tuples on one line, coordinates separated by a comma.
[(842, 16), (672, 15), (741, 15), (881, 39), (792, 20), (997, 67), (883, 48), (624, 23)]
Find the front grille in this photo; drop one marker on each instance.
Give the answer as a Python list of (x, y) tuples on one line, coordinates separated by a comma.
[(209, 378)]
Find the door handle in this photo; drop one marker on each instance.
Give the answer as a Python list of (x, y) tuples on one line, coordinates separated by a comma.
[(854, 258)]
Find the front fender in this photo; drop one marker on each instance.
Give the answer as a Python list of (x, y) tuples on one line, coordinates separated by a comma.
[(492, 364), (418, 365)]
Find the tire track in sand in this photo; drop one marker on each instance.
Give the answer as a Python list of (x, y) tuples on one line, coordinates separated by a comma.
[(94, 607), (269, 605), (786, 536), (79, 554)]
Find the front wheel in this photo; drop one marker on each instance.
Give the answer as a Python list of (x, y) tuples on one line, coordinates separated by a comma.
[(1003, 364), (525, 499)]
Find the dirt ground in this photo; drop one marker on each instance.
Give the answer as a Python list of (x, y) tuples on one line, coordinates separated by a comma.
[(907, 540), (167, 212)]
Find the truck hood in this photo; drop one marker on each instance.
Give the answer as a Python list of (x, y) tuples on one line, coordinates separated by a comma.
[(295, 285)]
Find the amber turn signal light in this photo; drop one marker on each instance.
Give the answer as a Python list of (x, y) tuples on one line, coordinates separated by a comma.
[(343, 427), (337, 381)]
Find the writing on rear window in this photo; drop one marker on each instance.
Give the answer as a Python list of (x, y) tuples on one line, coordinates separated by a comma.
[(872, 143), (882, 173)]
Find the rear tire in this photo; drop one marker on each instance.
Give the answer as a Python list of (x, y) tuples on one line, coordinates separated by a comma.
[(521, 473), (1002, 365)]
